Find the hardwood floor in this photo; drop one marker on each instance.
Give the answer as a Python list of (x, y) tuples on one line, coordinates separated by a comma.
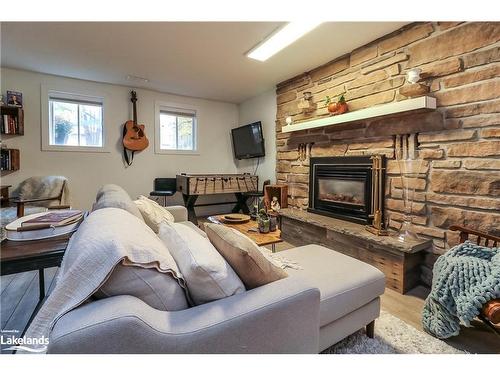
[(476, 339), (19, 295)]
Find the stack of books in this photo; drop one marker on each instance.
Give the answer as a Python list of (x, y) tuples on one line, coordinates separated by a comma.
[(9, 124), (9, 159)]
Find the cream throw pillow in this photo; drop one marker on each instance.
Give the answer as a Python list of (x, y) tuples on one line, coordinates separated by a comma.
[(208, 276), (253, 268), (152, 213)]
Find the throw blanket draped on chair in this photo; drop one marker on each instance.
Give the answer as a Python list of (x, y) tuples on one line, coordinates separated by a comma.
[(36, 188), (44, 187), (464, 279)]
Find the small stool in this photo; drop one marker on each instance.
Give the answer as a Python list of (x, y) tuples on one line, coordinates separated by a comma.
[(164, 187)]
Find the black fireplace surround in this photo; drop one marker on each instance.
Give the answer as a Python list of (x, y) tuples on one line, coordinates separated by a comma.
[(341, 187)]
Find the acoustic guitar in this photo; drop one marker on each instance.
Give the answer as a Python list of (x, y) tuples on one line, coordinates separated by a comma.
[(134, 137)]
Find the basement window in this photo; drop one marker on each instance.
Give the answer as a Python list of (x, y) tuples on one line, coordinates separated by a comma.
[(75, 120), (175, 130)]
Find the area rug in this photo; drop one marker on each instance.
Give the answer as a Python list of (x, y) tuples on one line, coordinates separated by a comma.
[(392, 336)]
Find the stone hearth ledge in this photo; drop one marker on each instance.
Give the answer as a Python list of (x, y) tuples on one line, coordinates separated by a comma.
[(355, 230)]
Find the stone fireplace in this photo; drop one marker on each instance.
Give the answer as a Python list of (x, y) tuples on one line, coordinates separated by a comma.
[(459, 141), (341, 187)]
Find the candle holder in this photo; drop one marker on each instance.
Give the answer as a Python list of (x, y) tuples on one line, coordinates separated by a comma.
[(377, 226)]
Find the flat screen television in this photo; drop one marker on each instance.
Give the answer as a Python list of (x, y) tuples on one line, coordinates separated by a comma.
[(248, 141)]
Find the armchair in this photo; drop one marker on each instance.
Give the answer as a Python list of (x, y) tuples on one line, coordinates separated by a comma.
[(48, 191), (42, 193), (20, 202), (33, 195)]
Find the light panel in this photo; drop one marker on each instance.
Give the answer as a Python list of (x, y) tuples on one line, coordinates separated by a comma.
[(281, 39)]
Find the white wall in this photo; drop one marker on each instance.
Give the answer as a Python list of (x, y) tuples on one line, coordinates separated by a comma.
[(261, 108), (87, 171)]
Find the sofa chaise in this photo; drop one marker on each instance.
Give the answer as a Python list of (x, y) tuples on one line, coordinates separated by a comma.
[(313, 308)]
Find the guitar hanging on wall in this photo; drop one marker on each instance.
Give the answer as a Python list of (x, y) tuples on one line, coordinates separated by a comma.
[(134, 137)]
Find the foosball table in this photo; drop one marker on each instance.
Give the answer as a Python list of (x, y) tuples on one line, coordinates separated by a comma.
[(193, 185)]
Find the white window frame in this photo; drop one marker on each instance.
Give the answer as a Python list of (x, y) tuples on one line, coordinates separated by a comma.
[(76, 94), (176, 107)]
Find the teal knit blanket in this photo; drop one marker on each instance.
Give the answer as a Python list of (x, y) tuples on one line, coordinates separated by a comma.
[(464, 279)]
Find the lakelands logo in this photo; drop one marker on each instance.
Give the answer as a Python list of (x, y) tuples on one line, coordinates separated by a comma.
[(27, 344)]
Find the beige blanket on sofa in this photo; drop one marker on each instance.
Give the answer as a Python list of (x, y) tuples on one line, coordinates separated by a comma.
[(105, 238)]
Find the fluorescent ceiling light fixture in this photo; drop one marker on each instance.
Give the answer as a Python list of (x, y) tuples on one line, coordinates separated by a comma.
[(281, 39), (133, 78)]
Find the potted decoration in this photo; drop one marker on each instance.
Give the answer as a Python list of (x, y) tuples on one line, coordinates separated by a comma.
[(263, 221)]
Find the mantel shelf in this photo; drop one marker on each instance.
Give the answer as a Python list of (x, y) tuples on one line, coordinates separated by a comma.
[(420, 103)]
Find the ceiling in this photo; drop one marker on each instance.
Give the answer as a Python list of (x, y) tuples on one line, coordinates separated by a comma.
[(199, 59)]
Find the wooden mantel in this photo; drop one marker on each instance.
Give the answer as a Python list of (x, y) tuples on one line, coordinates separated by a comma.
[(415, 104)]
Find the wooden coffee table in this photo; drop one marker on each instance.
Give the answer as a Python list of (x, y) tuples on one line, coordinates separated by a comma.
[(23, 256), (250, 229)]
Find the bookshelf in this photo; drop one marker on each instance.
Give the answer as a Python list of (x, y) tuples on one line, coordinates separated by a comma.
[(11, 120), (11, 123), (9, 160)]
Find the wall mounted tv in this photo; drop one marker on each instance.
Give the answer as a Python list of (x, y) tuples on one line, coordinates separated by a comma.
[(248, 141)]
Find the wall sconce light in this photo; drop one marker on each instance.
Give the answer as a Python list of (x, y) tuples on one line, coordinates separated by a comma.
[(289, 121), (413, 75)]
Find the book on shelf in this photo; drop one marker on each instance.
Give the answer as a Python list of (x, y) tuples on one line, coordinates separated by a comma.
[(54, 218), (9, 124), (9, 159), (5, 160)]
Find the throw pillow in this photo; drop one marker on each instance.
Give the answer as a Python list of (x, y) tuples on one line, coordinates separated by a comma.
[(253, 268), (152, 213), (208, 276), (112, 195), (159, 290)]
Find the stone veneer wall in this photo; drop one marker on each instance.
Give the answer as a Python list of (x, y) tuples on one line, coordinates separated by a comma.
[(460, 142)]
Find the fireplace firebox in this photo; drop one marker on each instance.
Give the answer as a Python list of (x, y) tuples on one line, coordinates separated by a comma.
[(342, 187)]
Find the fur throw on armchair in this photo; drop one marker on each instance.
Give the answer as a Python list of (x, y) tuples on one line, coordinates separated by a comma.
[(44, 187)]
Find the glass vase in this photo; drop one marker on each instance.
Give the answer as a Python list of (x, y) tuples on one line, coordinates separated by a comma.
[(409, 167)]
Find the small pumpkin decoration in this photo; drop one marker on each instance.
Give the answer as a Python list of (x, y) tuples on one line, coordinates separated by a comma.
[(331, 106), (336, 108), (341, 106)]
